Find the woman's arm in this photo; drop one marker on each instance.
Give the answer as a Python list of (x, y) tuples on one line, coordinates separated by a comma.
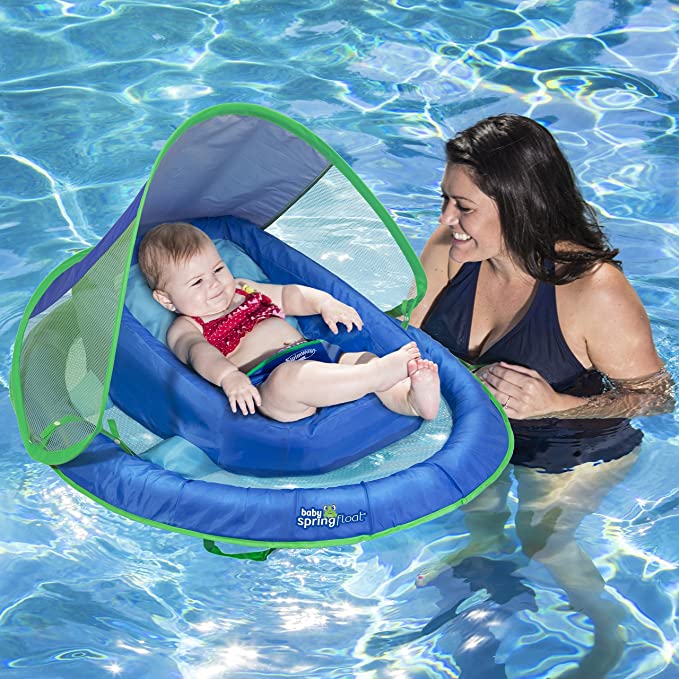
[(619, 344), (525, 395), (616, 333), (649, 395), (439, 269)]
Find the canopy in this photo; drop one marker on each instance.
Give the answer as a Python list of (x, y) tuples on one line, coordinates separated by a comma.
[(235, 159)]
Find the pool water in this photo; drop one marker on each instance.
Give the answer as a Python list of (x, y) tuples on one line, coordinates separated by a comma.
[(89, 92)]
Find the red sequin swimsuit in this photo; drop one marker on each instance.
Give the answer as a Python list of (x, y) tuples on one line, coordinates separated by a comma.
[(226, 332)]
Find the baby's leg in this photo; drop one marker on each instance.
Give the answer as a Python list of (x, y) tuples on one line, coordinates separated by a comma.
[(419, 394), (295, 390)]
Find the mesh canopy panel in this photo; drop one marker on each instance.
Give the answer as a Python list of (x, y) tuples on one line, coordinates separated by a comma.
[(66, 354), (336, 227)]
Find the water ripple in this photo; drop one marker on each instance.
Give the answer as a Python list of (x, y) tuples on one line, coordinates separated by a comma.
[(89, 92)]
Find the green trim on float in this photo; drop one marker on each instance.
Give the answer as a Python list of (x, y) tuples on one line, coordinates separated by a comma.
[(306, 545), (404, 309)]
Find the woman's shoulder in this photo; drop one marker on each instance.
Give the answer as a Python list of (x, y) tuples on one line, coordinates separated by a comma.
[(602, 274), (435, 256), (439, 269), (601, 278), (602, 295), (603, 309)]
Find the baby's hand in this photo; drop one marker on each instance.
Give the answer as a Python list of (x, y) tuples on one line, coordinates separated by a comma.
[(241, 392), (333, 312)]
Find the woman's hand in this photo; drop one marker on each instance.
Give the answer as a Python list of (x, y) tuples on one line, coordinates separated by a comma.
[(333, 312), (241, 392), (523, 392)]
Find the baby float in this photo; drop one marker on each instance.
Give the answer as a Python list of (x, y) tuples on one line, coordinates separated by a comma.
[(101, 399)]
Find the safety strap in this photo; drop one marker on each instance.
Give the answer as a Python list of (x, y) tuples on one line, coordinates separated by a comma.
[(402, 311), (51, 428), (114, 435)]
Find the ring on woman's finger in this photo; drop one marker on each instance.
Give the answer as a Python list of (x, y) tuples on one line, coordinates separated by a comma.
[(504, 405)]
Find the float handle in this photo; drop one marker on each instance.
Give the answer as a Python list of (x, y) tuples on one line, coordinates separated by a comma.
[(211, 547)]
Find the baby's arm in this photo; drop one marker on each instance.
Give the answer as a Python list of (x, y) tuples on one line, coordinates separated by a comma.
[(300, 300), (190, 346)]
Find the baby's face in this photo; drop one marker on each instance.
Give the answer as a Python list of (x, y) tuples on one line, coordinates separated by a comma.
[(200, 286)]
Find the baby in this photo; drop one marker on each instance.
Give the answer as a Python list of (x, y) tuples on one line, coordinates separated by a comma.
[(227, 327)]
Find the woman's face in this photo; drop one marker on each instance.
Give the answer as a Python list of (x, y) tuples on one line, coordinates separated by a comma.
[(472, 218)]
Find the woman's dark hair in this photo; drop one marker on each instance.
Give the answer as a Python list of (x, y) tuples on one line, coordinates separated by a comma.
[(518, 163)]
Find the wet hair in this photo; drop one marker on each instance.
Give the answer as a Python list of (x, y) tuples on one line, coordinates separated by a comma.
[(170, 242), (518, 163)]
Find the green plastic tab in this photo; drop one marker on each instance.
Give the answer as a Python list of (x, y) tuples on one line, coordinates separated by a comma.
[(211, 547)]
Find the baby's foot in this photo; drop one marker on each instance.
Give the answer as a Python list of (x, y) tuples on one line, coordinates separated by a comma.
[(425, 394), (393, 367)]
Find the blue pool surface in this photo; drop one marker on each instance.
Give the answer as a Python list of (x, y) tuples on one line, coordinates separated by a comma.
[(89, 93)]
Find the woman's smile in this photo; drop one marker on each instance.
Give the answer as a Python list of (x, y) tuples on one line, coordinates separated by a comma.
[(471, 217)]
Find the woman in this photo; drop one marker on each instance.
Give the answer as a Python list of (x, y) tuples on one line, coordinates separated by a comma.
[(522, 283)]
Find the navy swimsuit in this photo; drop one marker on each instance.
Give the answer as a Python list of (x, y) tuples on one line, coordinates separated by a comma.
[(536, 342)]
